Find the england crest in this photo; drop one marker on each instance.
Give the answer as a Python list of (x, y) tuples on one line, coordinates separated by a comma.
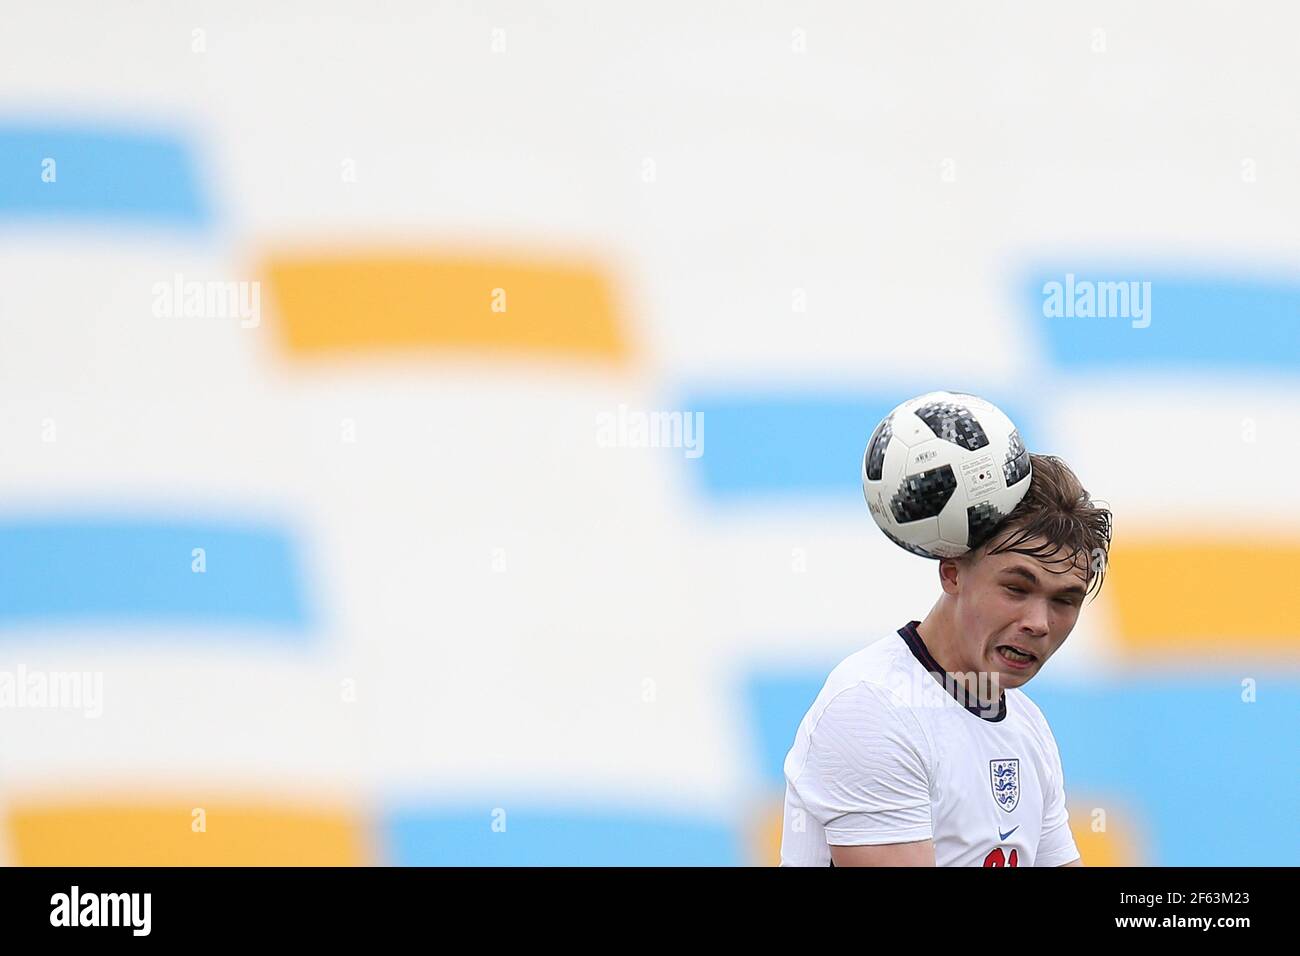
[(1004, 777)]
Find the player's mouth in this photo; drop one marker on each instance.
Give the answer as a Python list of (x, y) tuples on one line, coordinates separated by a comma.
[(1015, 657)]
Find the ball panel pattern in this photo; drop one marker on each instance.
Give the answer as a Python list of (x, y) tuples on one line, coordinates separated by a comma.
[(1016, 467), (954, 423), (923, 495), (981, 520), (875, 459)]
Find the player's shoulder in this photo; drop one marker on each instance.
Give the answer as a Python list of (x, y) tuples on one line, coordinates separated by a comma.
[(863, 715), (877, 661)]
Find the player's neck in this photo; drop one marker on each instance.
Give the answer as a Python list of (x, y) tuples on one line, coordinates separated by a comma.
[(939, 634)]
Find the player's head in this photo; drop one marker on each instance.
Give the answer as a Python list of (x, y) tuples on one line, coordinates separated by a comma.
[(1025, 586)]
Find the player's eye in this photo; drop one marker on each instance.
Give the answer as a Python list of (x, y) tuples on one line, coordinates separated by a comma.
[(1013, 590)]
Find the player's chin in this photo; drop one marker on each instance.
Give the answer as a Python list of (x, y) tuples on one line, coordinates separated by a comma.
[(1015, 678)]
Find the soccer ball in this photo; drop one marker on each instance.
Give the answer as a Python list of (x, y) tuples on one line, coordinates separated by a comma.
[(941, 471)]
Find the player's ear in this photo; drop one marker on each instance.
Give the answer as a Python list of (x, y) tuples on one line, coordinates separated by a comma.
[(950, 569)]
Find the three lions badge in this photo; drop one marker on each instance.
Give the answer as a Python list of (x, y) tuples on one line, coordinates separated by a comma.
[(1004, 777)]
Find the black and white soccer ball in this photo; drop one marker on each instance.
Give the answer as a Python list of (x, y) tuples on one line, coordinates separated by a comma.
[(942, 471)]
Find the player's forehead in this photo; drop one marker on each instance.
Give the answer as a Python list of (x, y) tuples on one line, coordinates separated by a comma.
[(1049, 564)]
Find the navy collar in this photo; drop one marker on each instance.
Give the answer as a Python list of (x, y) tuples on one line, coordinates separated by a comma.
[(912, 638)]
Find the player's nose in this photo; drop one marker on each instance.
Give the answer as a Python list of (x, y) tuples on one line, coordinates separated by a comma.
[(1034, 621)]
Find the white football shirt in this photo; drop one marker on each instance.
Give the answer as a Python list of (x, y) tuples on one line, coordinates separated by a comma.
[(889, 754)]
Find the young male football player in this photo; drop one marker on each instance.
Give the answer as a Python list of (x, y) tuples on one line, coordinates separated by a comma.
[(921, 749)]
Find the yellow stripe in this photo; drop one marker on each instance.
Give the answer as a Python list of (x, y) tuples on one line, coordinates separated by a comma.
[(158, 833), (1228, 596), (1118, 843), (765, 834), (404, 302)]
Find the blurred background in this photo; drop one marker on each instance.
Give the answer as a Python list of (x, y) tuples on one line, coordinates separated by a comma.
[(432, 430)]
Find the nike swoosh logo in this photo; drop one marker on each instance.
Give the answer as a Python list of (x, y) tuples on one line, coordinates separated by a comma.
[(1003, 836)]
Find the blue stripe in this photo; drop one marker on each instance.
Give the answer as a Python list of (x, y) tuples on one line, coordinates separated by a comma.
[(534, 836), (778, 703), (115, 175), (1202, 768), (1215, 779), (767, 445), (1210, 322), (104, 571)]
